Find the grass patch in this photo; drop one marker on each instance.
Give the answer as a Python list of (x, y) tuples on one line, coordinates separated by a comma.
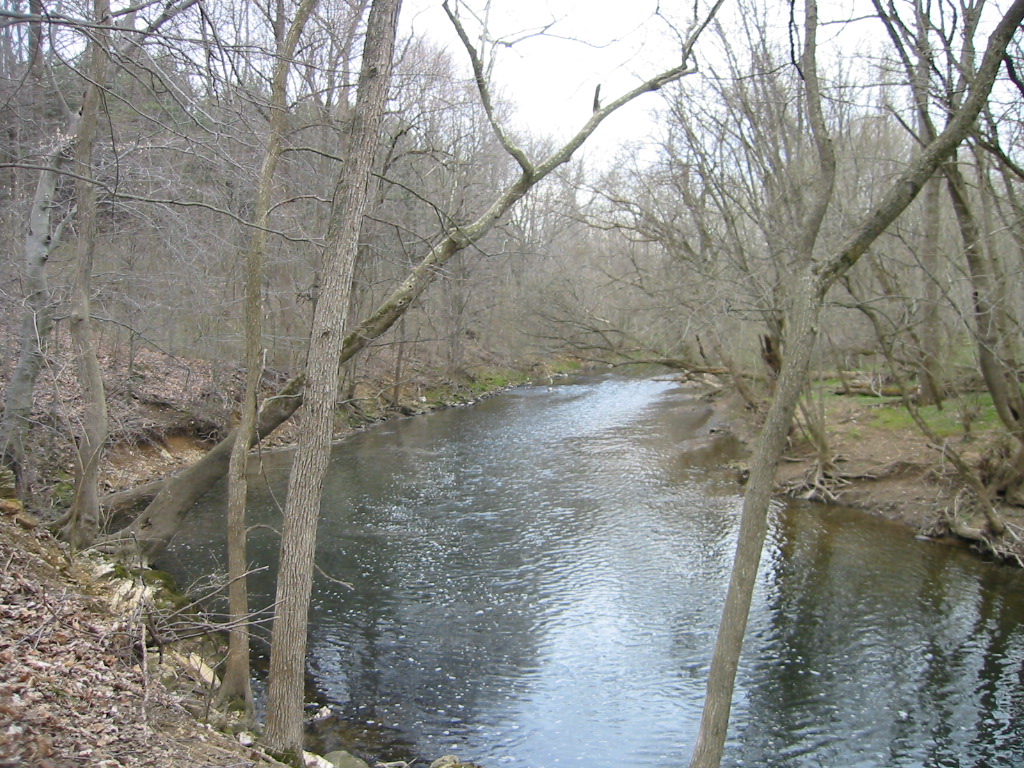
[(970, 413), (975, 410), (493, 380), (563, 367)]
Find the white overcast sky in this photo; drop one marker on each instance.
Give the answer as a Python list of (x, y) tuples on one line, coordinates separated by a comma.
[(551, 78)]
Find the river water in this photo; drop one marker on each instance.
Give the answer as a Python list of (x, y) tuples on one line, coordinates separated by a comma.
[(537, 582)]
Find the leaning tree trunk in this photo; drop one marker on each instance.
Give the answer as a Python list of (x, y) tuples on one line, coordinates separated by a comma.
[(149, 534), (753, 526), (803, 309), (285, 683), (237, 679), (151, 531), (800, 338)]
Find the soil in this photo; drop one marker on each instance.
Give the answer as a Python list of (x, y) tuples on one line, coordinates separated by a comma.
[(896, 474)]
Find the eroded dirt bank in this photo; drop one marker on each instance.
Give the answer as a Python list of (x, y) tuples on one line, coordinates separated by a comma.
[(892, 472)]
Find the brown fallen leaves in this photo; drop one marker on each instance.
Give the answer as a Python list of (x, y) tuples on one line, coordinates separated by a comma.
[(73, 691)]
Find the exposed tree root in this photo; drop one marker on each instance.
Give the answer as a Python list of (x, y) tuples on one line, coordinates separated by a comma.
[(1008, 545), (823, 481)]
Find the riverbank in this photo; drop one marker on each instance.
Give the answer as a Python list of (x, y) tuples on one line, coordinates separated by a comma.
[(884, 466), (78, 685), (53, 624), (83, 683)]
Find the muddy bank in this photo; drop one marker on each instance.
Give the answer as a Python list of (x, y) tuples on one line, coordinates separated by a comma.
[(885, 471)]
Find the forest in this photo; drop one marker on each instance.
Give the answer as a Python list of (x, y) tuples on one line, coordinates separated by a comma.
[(313, 209)]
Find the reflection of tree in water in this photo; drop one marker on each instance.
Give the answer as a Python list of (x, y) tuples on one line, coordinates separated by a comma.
[(442, 612), (539, 574), (880, 650)]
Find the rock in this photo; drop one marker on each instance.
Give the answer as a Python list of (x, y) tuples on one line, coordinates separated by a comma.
[(16, 509), (11, 506), (342, 759), (451, 761), (311, 760), (196, 668)]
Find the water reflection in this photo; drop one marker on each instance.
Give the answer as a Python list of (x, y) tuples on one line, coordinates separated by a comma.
[(876, 651), (538, 580)]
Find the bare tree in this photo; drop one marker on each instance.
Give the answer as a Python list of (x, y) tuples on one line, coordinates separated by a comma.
[(149, 533), (236, 682), (813, 284), (47, 219), (84, 518), (302, 508)]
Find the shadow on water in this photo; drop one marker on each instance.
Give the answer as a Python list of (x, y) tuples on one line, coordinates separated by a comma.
[(538, 581)]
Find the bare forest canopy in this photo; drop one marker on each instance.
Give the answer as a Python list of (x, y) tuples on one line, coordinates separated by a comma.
[(680, 250), (307, 209)]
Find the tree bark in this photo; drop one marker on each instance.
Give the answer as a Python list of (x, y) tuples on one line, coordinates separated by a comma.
[(37, 318), (1000, 379), (801, 329), (809, 299), (237, 679), (931, 386), (84, 519), (801, 334), (298, 538)]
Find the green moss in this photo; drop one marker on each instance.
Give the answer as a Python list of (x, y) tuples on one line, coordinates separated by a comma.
[(63, 491)]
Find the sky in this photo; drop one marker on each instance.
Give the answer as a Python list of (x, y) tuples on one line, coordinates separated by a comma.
[(552, 77), (615, 43)]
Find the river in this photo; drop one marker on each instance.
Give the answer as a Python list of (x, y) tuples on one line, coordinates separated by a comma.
[(537, 581)]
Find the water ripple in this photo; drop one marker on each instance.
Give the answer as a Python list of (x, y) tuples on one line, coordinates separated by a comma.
[(538, 582)]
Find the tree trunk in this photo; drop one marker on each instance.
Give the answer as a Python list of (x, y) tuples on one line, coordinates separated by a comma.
[(84, 521), (800, 337), (805, 311), (1000, 378), (151, 532), (41, 239), (801, 329), (931, 383), (298, 538), (237, 680), (931, 386), (37, 318), (396, 387)]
